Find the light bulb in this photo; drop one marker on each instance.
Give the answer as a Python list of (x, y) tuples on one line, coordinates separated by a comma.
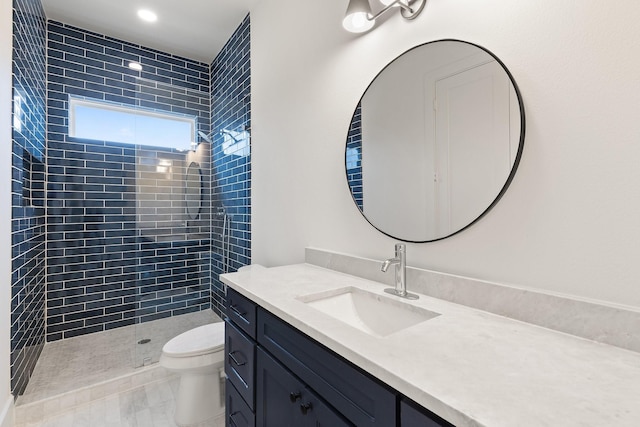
[(357, 22), (147, 15)]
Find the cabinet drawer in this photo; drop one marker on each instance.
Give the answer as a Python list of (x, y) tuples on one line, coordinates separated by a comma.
[(239, 362), (238, 412), (282, 400), (242, 312), (413, 415), (358, 397)]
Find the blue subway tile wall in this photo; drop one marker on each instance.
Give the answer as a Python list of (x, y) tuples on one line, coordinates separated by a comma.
[(28, 180), (353, 157), (121, 248), (231, 186)]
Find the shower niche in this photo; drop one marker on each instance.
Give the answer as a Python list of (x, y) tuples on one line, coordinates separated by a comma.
[(193, 187)]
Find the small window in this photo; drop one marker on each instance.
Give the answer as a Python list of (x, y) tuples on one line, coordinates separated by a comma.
[(103, 121), (353, 157)]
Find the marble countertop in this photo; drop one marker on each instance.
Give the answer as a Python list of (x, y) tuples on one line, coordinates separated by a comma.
[(470, 367)]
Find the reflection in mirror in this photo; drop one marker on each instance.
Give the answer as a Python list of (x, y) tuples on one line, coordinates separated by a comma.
[(193, 190), (434, 141)]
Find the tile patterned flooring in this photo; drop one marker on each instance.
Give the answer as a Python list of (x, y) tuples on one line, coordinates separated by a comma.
[(91, 380), (151, 405)]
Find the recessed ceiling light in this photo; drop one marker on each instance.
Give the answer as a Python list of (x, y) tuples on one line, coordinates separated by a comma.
[(135, 66), (147, 15)]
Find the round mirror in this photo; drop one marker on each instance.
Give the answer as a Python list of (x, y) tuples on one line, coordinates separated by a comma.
[(434, 141), (193, 190)]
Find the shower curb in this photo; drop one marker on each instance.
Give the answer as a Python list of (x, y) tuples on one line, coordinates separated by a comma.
[(34, 412)]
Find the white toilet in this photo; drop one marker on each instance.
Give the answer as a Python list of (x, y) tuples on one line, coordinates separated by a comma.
[(198, 357)]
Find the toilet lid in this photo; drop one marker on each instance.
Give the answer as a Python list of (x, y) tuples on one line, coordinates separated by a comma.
[(201, 340)]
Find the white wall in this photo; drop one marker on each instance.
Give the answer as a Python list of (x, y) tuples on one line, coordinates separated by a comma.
[(570, 223), (397, 155), (6, 42)]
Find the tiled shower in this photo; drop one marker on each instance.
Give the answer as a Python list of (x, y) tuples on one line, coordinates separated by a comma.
[(231, 183), (100, 235), (28, 218), (107, 264)]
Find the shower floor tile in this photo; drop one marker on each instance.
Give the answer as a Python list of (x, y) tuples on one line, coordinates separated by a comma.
[(151, 405), (83, 361)]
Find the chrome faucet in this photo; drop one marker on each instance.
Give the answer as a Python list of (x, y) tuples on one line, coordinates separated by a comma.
[(400, 261)]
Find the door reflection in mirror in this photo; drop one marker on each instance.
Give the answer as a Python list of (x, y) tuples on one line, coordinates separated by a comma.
[(439, 134)]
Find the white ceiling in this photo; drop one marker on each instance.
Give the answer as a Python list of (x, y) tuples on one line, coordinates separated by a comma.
[(194, 29)]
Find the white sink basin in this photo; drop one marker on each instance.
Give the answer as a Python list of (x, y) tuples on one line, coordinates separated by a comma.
[(377, 315)]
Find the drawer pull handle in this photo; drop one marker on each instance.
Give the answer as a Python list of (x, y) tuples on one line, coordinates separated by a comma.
[(294, 395), (305, 407), (231, 421), (234, 308), (234, 360)]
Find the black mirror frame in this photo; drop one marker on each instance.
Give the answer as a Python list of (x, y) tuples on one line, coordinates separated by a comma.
[(514, 167)]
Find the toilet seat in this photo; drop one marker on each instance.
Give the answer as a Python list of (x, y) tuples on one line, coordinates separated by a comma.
[(196, 342)]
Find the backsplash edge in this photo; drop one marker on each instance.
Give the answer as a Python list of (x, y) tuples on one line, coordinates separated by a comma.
[(591, 320)]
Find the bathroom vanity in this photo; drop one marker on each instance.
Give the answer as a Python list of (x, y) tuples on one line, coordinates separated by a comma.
[(291, 361), (280, 377)]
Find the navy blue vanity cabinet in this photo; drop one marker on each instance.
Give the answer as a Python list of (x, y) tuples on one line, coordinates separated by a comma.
[(413, 415), (284, 401), (356, 395), (238, 412)]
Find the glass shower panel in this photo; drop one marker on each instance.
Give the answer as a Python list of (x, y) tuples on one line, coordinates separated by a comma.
[(172, 204)]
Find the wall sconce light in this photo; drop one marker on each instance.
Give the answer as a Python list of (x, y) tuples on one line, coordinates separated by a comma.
[(359, 18)]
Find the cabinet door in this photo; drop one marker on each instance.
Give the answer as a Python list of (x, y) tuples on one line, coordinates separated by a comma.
[(319, 414), (278, 394), (282, 400), (361, 399)]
